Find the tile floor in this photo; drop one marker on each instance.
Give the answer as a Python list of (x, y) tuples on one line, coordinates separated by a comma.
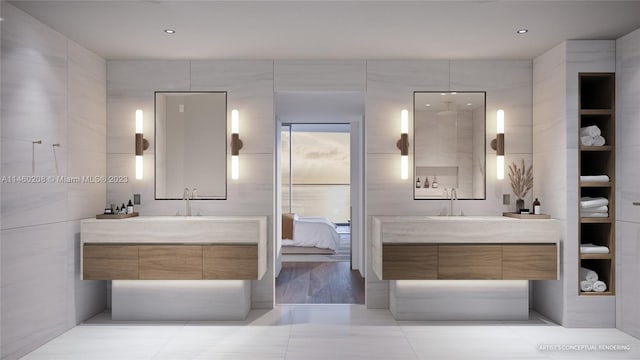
[(333, 332)]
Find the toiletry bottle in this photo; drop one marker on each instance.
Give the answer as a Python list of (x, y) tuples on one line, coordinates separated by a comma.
[(418, 184), (434, 183), (117, 210), (123, 209), (536, 207), (130, 207), (426, 182)]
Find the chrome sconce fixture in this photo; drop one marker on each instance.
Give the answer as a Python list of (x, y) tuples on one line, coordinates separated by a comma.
[(236, 144), (403, 144), (497, 144), (141, 145)]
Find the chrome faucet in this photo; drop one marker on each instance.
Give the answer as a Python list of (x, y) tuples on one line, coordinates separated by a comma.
[(454, 196), (185, 197)]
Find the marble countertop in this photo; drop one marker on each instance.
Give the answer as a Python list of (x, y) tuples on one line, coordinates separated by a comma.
[(464, 229), (176, 229)]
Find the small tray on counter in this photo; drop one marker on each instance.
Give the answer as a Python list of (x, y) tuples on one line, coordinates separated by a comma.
[(526, 216), (116, 216)]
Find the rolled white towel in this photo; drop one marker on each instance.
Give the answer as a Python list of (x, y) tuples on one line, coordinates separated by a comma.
[(589, 202), (586, 285), (600, 209), (599, 286), (594, 215), (589, 275), (598, 141), (593, 249), (587, 140), (592, 131), (595, 178)]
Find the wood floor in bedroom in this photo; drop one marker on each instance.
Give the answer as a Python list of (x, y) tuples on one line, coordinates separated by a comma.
[(319, 283)]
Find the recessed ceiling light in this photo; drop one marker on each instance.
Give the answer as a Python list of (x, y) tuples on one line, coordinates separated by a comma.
[(443, 94), (427, 105), (169, 31), (522, 31), (469, 104), (453, 93)]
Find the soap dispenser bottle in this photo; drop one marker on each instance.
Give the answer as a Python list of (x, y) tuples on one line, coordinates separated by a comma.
[(418, 184), (434, 183), (130, 207), (426, 182), (536, 207)]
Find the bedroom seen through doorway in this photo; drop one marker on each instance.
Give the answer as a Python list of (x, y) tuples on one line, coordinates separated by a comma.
[(315, 246)]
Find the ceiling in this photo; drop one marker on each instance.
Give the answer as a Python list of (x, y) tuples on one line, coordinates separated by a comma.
[(332, 29)]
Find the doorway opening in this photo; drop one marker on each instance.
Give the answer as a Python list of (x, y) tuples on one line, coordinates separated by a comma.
[(318, 246)]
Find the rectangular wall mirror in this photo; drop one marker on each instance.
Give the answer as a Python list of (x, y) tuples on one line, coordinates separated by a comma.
[(191, 144), (449, 144)]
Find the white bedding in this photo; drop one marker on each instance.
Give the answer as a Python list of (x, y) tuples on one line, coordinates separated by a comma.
[(313, 231)]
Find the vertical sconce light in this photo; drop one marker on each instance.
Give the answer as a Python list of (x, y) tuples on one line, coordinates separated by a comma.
[(498, 145), (236, 144), (141, 145), (403, 144)]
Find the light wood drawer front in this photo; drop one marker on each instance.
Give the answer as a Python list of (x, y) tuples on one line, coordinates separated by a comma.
[(230, 262), (110, 262), (470, 262), (530, 262), (410, 262), (170, 262)]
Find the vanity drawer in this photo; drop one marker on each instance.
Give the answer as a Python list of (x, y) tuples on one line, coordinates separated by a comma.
[(470, 262), (170, 262), (530, 262), (230, 262), (409, 262), (109, 262)]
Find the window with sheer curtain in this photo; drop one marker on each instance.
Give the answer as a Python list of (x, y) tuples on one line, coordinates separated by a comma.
[(316, 173)]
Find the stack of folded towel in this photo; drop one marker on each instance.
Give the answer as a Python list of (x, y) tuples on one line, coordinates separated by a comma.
[(593, 249), (594, 207), (589, 281), (594, 178), (591, 136)]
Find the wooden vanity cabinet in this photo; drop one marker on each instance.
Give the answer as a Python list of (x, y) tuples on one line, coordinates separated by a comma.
[(410, 262), (110, 262), (170, 262), (529, 262), (470, 261)]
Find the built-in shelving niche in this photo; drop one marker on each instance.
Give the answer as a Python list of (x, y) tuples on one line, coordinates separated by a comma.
[(597, 107)]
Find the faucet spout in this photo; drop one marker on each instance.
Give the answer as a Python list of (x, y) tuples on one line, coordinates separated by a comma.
[(452, 199), (185, 197)]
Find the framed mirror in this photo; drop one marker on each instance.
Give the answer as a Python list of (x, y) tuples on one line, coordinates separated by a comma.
[(449, 144), (191, 144)]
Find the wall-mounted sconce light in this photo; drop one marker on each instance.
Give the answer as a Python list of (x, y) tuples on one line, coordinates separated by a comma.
[(236, 144), (403, 144), (141, 145), (497, 144)]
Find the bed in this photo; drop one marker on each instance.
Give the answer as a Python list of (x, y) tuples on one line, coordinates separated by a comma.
[(308, 234)]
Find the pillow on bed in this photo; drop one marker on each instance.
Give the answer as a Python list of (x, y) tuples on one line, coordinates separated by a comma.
[(287, 226)]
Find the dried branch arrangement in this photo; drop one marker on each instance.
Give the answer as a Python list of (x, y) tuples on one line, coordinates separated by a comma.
[(521, 180)]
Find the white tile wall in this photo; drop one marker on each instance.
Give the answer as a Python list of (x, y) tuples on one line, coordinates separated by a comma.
[(319, 75), (52, 90), (249, 85), (627, 175)]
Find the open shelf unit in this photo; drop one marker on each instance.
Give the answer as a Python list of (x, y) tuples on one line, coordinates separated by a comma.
[(597, 107)]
